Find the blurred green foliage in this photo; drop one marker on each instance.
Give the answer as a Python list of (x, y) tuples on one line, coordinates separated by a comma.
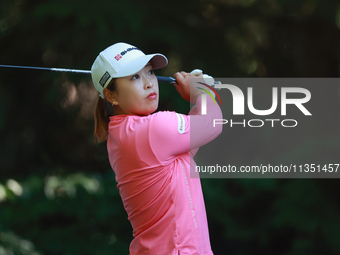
[(58, 194)]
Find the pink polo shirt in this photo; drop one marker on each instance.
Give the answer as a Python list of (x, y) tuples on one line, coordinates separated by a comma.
[(151, 157)]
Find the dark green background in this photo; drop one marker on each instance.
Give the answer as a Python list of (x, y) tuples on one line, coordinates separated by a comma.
[(69, 202)]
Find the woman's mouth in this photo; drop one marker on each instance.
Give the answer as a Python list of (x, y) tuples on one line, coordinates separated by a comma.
[(152, 95)]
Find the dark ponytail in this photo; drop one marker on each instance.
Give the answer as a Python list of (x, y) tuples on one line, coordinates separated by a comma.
[(102, 114)]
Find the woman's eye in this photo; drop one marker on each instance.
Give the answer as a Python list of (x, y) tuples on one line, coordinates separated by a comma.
[(135, 77), (151, 71)]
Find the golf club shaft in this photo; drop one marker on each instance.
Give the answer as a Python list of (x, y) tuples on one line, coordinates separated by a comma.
[(48, 69), (162, 79)]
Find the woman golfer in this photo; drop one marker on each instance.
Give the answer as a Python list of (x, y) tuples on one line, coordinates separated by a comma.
[(151, 153)]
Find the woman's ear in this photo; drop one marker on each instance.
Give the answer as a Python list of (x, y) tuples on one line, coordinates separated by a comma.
[(110, 96)]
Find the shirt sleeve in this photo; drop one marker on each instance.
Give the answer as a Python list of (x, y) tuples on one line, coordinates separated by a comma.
[(172, 133)]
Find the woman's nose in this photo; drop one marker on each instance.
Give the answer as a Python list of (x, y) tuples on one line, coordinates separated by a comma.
[(148, 82)]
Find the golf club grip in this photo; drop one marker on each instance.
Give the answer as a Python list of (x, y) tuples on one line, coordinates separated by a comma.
[(164, 79)]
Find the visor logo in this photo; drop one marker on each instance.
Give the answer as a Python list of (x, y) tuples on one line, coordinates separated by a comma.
[(118, 57), (104, 79), (128, 50)]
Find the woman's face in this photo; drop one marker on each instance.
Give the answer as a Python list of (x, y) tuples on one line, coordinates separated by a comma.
[(137, 94)]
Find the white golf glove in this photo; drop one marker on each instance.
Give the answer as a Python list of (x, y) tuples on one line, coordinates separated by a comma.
[(207, 79)]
